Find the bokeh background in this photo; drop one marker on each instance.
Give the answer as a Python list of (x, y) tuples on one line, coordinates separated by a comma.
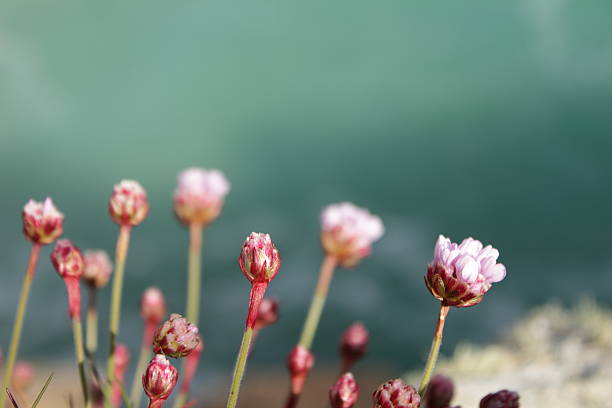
[(485, 119)]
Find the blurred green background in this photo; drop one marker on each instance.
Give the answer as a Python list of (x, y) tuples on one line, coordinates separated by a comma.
[(489, 119)]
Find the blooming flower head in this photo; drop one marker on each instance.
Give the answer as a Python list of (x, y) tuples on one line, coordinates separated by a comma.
[(128, 204), (152, 305), (460, 274), (500, 399), (344, 393), (67, 259), (439, 392), (354, 343), (267, 314), (259, 259), (42, 222), (159, 378), (396, 394), (199, 195), (176, 337), (299, 361), (23, 375), (347, 232), (98, 268)]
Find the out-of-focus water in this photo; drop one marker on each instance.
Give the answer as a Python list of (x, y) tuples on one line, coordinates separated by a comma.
[(486, 119)]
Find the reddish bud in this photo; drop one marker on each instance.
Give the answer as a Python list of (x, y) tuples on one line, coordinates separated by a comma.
[(501, 399), (159, 378), (439, 392), (23, 375), (354, 344), (259, 259), (344, 393), (299, 361), (396, 394), (98, 268), (152, 305), (42, 222), (176, 337), (268, 313), (128, 204), (69, 264)]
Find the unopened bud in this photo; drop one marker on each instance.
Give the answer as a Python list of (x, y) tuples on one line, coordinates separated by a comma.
[(501, 399), (440, 392), (354, 344), (268, 313), (42, 222), (259, 259), (344, 393), (176, 337), (159, 378), (69, 264), (299, 361), (152, 305), (128, 204), (98, 268), (396, 394)]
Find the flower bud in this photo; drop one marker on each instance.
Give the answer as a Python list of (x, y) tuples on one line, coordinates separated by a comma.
[(23, 375), (128, 204), (42, 222), (354, 343), (159, 378), (500, 399), (199, 195), (98, 268), (267, 314), (344, 393), (396, 394), (259, 259), (347, 232), (176, 337), (460, 275), (152, 305), (299, 361), (439, 392), (67, 259)]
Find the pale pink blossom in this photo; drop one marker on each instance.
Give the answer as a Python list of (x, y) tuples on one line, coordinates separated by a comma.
[(348, 231), (128, 204), (98, 268), (42, 222), (199, 195)]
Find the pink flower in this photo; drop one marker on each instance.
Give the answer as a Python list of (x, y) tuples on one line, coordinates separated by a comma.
[(199, 195), (267, 314), (299, 361), (396, 394), (176, 337), (159, 378), (152, 305), (98, 268), (344, 393), (460, 275), (259, 259), (42, 222), (128, 204), (347, 232), (23, 375), (354, 344)]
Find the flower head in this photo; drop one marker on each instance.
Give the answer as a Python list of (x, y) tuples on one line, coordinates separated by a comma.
[(500, 399), (460, 274), (267, 314), (259, 259), (354, 343), (42, 222), (396, 394), (159, 378), (98, 268), (299, 361), (176, 337), (67, 259), (152, 305), (128, 204), (439, 392), (199, 195), (347, 232), (23, 375), (344, 393)]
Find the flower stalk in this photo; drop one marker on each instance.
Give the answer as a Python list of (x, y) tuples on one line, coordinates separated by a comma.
[(435, 349), (92, 322), (194, 272)]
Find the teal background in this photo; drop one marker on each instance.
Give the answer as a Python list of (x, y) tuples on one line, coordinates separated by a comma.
[(485, 119)]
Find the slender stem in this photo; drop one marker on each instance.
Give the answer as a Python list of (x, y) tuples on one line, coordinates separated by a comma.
[(318, 301), (240, 366), (156, 403), (21, 309), (123, 241), (194, 272), (80, 357), (143, 359), (435, 348), (292, 399), (92, 322)]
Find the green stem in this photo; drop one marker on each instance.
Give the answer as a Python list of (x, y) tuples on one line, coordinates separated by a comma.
[(92, 323), (80, 357), (194, 272), (240, 366), (123, 241), (143, 359), (435, 349), (318, 301), (21, 309)]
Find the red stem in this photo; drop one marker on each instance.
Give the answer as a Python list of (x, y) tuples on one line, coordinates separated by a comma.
[(258, 289), (74, 296)]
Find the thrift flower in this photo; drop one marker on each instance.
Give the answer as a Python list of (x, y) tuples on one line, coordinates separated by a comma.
[(344, 393), (159, 379), (199, 195), (128, 204), (396, 394), (259, 259), (42, 222), (176, 337), (98, 268)]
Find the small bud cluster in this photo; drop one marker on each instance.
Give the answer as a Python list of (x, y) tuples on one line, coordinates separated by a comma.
[(396, 394), (345, 392), (128, 204), (176, 337)]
